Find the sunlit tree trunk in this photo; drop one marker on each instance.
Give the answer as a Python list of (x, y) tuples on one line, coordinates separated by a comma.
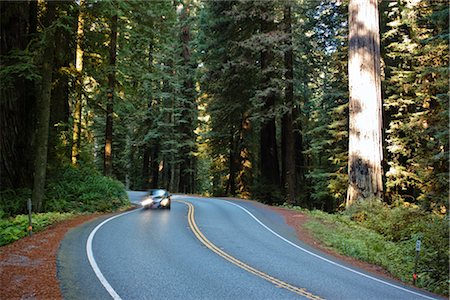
[(77, 109), (107, 166), (43, 112), (365, 104)]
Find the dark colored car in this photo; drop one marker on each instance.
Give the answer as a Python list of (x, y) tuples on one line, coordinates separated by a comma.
[(157, 198)]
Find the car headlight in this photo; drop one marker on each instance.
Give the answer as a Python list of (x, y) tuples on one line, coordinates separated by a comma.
[(165, 202), (147, 201)]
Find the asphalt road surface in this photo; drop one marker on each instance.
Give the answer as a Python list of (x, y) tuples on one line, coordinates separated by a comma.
[(206, 248)]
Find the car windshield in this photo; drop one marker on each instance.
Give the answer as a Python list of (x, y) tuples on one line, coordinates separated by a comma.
[(157, 192)]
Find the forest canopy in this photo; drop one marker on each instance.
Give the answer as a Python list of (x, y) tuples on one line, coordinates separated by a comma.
[(224, 98)]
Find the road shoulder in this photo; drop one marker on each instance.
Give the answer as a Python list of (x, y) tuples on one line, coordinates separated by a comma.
[(28, 266)]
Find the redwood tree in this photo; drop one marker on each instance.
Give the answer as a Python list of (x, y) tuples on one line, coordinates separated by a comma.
[(107, 166), (43, 109), (76, 134), (288, 135), (270, 172), (365, 104)]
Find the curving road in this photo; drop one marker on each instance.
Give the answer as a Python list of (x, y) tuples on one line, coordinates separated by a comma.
[(207, 248)]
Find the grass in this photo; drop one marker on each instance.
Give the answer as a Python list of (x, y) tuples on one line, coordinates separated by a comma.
[(384, 236)]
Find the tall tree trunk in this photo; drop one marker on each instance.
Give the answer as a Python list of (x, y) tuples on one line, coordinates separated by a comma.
[(244, 177), (189, 102), (270, 172), (288, 135), (148, 148), (43, 112), (299, 157), (365, 105), (77, 110), (59, 152), (107, 168), (146, 168), (232, 165), (155, 167)]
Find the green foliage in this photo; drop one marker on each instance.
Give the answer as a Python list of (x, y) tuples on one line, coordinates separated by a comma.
[(12, 229), (155, 110), (326, 107), (373, 232), (18, 64), (229, 79), (416, 103), (14, 202), (84, 190)]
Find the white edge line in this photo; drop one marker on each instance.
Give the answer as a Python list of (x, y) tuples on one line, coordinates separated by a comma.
[(93, 263), (327, 260)]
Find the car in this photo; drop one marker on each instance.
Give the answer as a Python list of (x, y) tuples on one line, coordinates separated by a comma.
[(157, 198)]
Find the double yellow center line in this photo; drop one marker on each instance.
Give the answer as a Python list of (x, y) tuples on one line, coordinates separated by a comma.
[(240, 264)]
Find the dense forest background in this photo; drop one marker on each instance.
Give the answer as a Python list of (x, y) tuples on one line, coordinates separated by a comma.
[(236, 98)]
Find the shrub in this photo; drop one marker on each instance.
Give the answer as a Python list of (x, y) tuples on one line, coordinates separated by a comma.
[(14, 202), (84, 190), (404, 225), (12, 229)]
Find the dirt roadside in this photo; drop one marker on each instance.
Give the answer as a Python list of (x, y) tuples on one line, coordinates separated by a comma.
[(28, 266)]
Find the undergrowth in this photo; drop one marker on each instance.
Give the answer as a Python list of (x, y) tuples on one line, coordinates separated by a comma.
[(69, 191), (13, 229), (373, 232), (84, 190)]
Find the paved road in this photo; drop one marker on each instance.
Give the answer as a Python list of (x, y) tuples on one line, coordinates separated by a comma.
[(207, 249)]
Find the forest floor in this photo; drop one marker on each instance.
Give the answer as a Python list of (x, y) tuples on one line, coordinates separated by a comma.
[(28, 266)]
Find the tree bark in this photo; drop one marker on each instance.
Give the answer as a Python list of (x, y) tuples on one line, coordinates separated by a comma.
[(270, 172), (107, 168), (155, 167), (146, 168), (365, 105), (288, 135), (187, 172), (77, 110), (59, 152), (43, 112), (230, 189)]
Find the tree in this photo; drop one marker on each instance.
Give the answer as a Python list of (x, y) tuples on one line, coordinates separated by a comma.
[(268, 152), (76, 133), (188, 105), (107, 166), (288, 135), (43, 108), (365, 107), (59, 147)]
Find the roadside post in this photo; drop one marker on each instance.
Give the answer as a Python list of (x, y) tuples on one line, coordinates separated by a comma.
[(416, 261), (30, 223)]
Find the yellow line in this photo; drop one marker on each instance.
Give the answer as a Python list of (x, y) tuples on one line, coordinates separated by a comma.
[(240, 264)]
